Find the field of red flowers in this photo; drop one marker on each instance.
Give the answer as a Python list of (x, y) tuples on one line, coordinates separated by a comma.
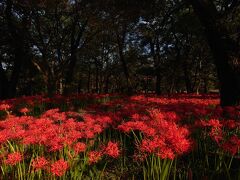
[(118, 137)]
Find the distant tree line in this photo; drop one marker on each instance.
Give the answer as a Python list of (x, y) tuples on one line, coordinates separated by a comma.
[(73, 46)]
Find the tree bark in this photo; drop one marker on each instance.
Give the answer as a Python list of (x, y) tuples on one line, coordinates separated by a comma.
[(20, 47), (89, 79), (3, 83), (120, 41), (224, 49), (51, 85), (96, 76), (158, 81), (156, 59), (75, 43)]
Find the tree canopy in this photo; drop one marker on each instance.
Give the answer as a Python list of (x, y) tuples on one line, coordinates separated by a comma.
[(127, 46)]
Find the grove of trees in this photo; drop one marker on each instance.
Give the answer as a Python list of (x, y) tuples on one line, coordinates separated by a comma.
[(126, 46)]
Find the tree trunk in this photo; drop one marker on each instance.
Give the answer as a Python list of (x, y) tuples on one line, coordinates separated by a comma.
[(3, 83), (158, 81), (205, 85), (18, 63), (18, 40), (120, 41), (96, 76), (156, 60), (89, 79), (225, 51), (70, 73), (188, 83), (75, 43), (51, 86)]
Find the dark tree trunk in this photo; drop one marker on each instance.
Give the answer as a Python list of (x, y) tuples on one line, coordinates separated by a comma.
[(188, 82), (18, 63), (205, 86), (225, 51), (182, 58), (3, 83), (75, 43), (50, 82), (89, 79), (120, 41), (20, 47), (106, 87), (158, 81), (70, 74), (80, 84), (51, 89), (156, 59), (97, 76)]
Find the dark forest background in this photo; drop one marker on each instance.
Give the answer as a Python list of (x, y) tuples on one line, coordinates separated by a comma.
[(125, 46)]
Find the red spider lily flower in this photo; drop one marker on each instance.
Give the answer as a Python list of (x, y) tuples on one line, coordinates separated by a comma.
[(59, 167), (231, 124), (40, 163), (112, 149), (166, 153), (218, 111), (104, 120), (24, 110), (136, 117), (214, 123), (172, 116), (200, 124), (94, 157), (56, 145), (150, 132), (149, 145), (89, 134), (216, 134), (4, 107), (4, 136), (79, 147), (232, 145), (14, 158)]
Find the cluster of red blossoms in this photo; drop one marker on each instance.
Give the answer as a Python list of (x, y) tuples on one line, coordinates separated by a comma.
[(162, 136), (165, 125), (111, 150), (57, 168), (223, 132), (53, 129)]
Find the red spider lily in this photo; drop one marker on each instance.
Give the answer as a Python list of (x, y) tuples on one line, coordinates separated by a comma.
[(4, 135), (94, 157), (24, 110), (162, 135), (4, 107), (112, 149), (59, 167), (230, 124), (165, 153), (232, 145), (79, 147), (40, 163), (13, 158), (214, 123), (216, 134), (150, 145)]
